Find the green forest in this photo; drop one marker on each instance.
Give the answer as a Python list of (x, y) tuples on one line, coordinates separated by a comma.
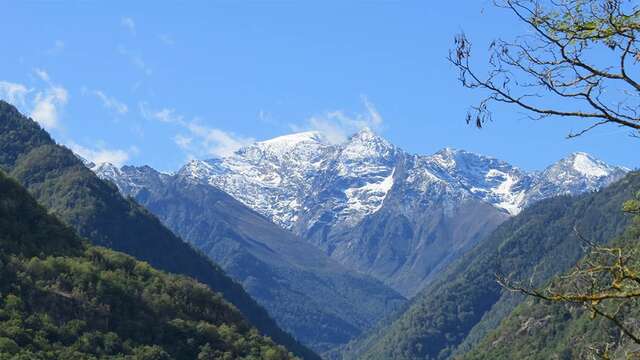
[(61, 298), (189, 181), (96, 210)]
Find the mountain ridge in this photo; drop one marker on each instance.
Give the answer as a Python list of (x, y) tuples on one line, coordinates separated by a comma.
[(62, 298), (464, 302), (310, 294), (96, 210), (333, 194)]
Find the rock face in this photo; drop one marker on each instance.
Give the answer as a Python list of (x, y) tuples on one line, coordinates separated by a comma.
[(321, 302), (380, 210)]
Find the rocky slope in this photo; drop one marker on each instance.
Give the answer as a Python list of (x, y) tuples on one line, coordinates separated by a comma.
[(98, 212), (380, 210), (311, 295), (464, 302)]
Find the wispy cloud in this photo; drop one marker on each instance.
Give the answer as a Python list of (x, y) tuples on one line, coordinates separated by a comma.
[(337, 125), (128, 23), (196, 139), (164, 115), (102, 154), (57, 48), (48, 103), (43, 104), (167, 39), (13, 93), (217, 142), (111, 103), (135, 59), (42, 75)]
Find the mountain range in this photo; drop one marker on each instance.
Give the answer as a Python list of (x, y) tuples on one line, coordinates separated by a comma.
[(330, 238), (312, 296), (96, 210), (63, 298), (464, 304), (372, 206)]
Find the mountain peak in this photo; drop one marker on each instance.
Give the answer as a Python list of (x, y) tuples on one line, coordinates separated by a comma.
[(369, 138), (290, 140), (365, 133), (586, 165), (448, 151), (367, 145)]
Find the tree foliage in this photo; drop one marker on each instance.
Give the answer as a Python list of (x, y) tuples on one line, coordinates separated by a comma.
[(465, 302), (605, 283), (61, 298), (96, 210)]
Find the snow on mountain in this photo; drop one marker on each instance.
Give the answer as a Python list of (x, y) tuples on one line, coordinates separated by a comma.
[(491, 180), (270, 176), (129, 179), (300, 179), (355, 181), (576, 173), (368, 204)]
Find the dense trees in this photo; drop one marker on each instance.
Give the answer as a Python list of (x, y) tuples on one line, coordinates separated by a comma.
[(61, 298), (589, 312), (313, 297), (579, 60), (465, 302), (96, 210)]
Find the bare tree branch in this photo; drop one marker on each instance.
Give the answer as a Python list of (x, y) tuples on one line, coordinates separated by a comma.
[(545, 72)]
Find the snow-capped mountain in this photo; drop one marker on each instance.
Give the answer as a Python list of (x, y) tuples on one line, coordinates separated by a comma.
[(377, 208), (578, 172), (129, 179), (286, 176), (270, 176)]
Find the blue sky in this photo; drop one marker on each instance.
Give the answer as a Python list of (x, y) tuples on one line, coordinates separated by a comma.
[(160, 83)]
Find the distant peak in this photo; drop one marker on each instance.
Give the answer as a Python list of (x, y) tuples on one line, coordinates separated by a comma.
[(585, 164), (365, 134), (448, 151), (106, 165), (294, 139), (452, 154), (581, 154), (366, 131)]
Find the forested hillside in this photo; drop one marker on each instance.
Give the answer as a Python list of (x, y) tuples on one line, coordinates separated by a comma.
[(542, 329), (61, 298), (311, 295), (96, 210), (465, 302)]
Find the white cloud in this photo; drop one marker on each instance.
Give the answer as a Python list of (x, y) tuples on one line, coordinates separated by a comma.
[(13, 93), (373, 115), (48, 103), (136, 60), (166, 39), (43, 105), (201, 140), (111, 103), (217, 142), (184, 142), (337, 125), (43, 75), (128, 24), (165, 115), (101, 154)]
